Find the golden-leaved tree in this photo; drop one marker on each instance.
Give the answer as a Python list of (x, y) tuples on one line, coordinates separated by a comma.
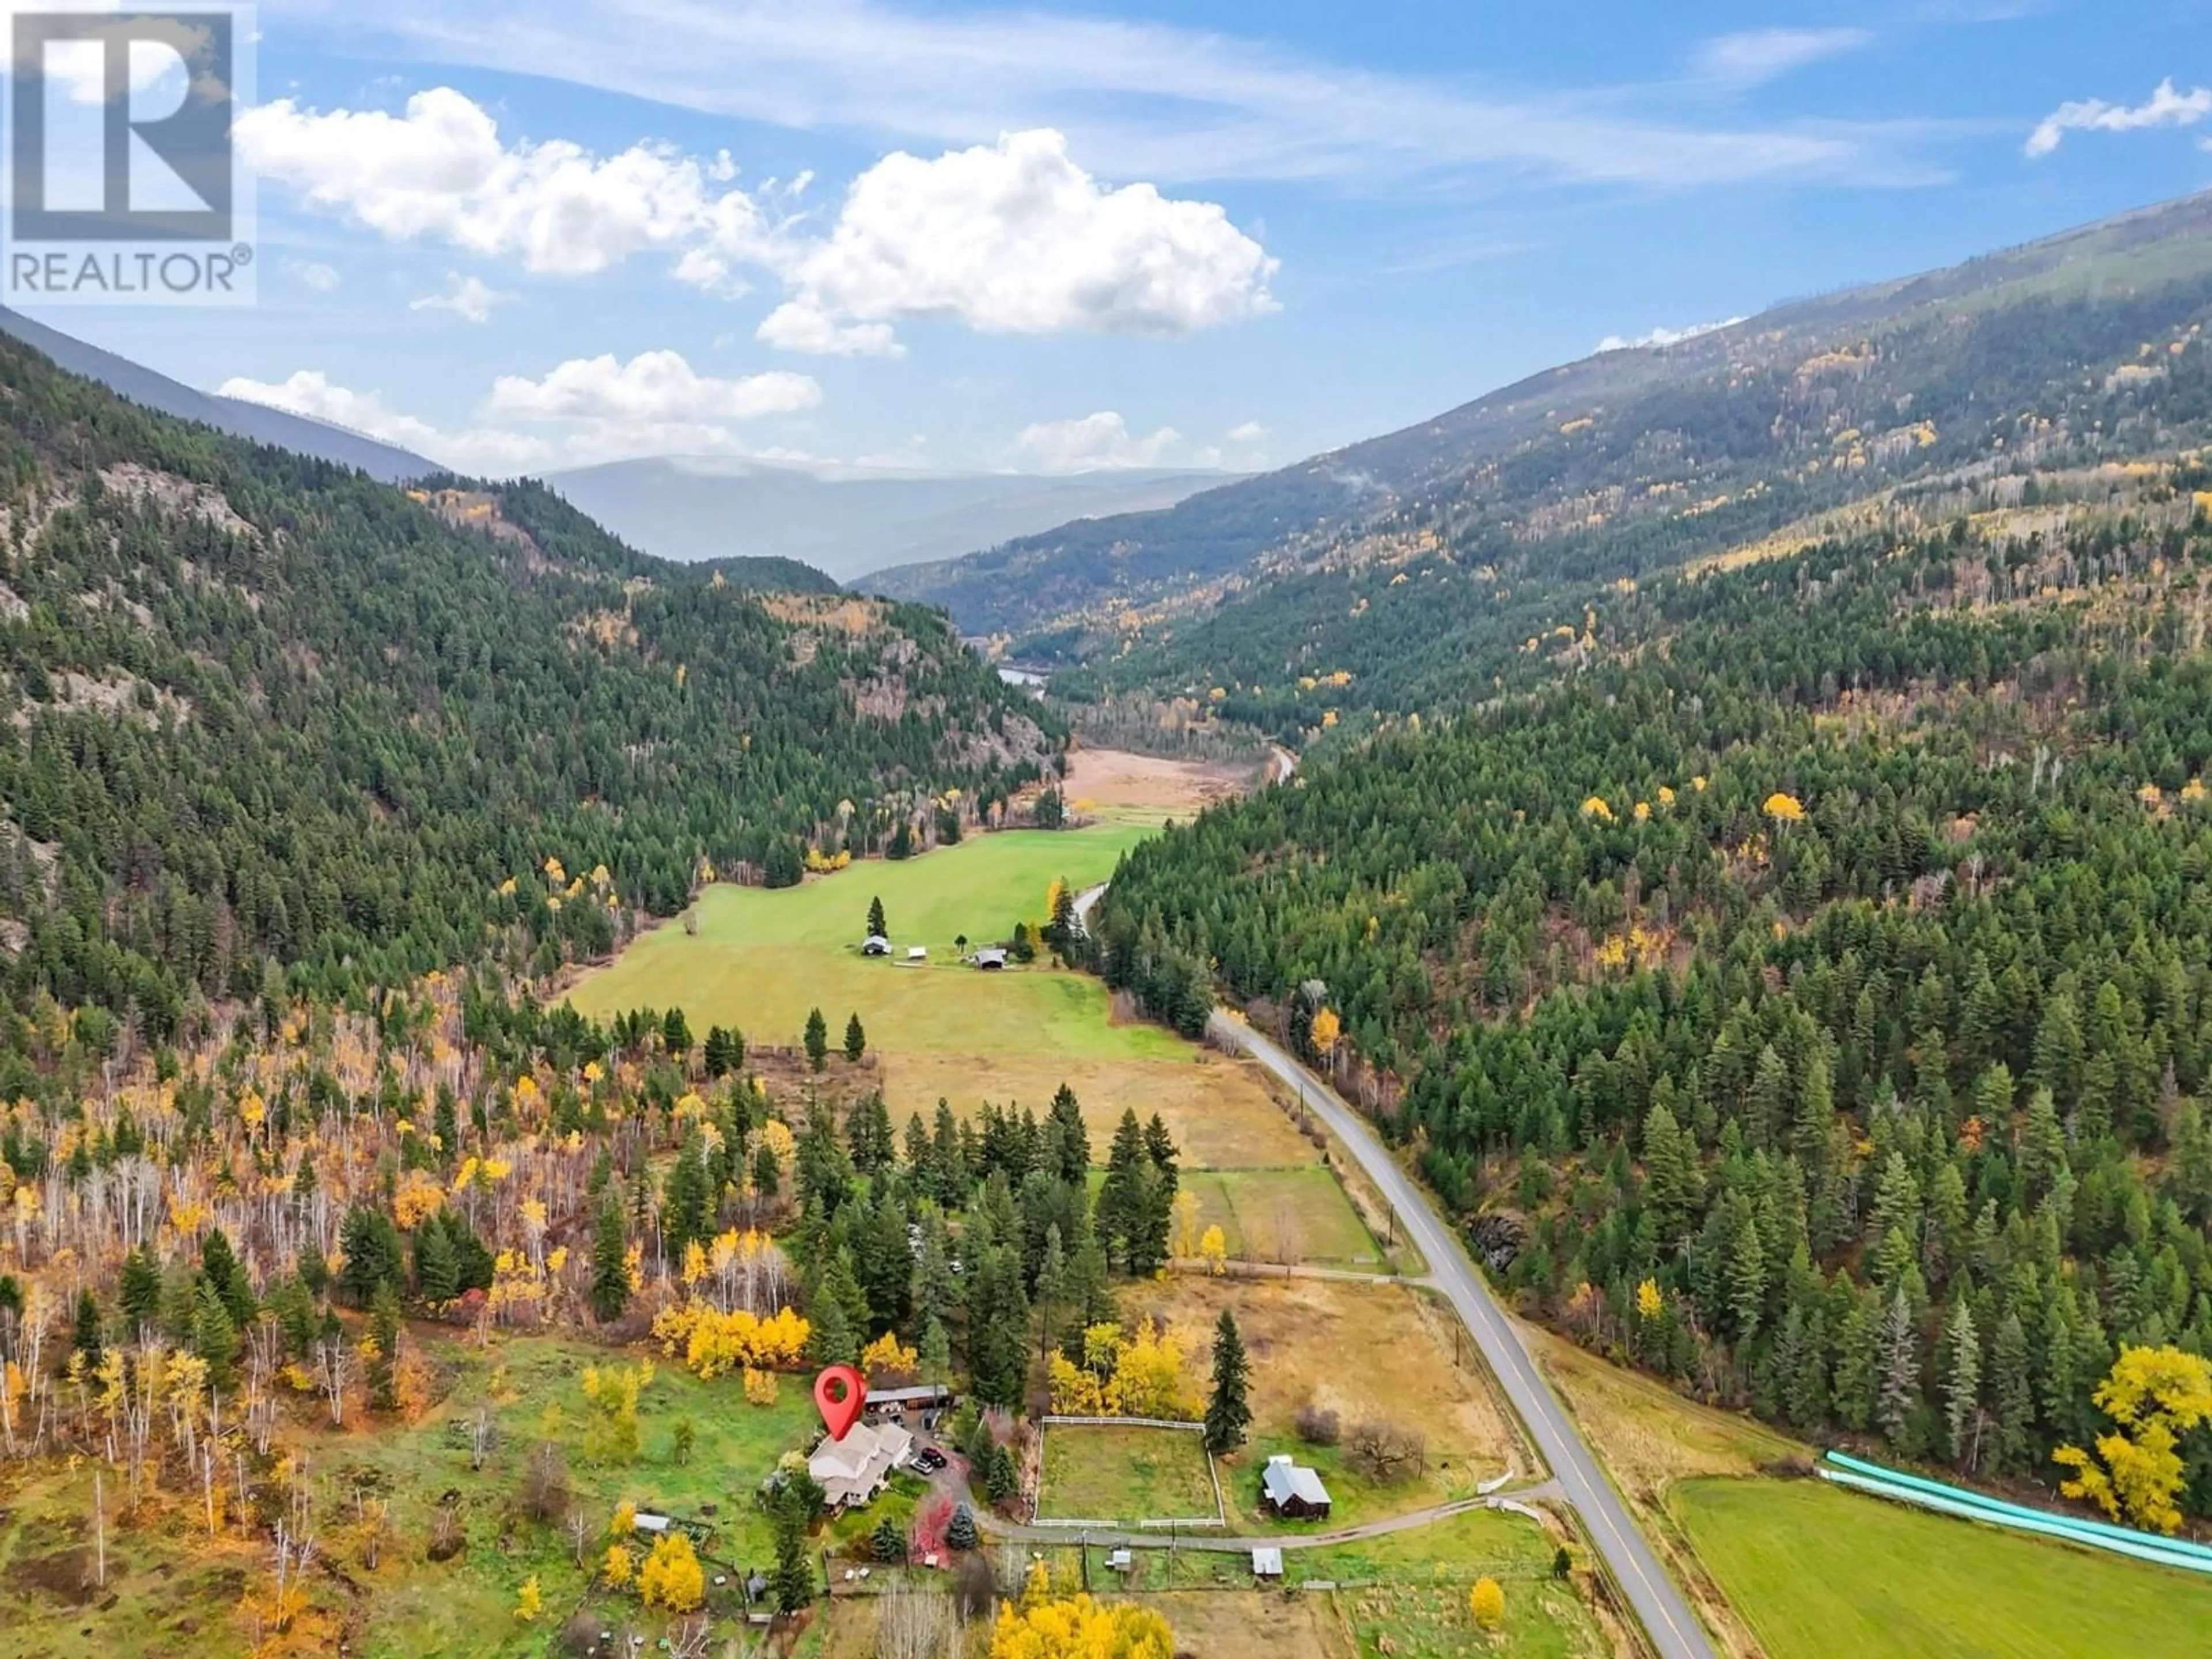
[(2154, 1396), (672, 1576), (1077, 1625)]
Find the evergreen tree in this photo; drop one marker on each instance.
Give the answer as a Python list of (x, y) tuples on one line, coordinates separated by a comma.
[(794, 1584), (877, 929), (373, 1254), (609, 1293), (1123, 1202), (935, 1353), (223, 1270), (1067, 1142), (724, 1053), (676, 1033), (1900, 1366), (1001, 1479), (214, 1337), (1962, 1382), (960, 1531), (831, 1341), (2013, 1398), (85, 1338), (818, 1039), (1228, 1411), (1051, 1289), (868, 1132), (687, 1207), (140, 1292), (856, 1040), (997, 1328), (437, 1272), (887, 1543), (383, 1369)]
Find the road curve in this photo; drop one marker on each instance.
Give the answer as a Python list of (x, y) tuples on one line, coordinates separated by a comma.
[(1673, 1628)]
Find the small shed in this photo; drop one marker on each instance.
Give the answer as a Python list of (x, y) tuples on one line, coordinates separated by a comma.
[(1291, 1492), (990, 956), (875, 946), (1121, 1561), (1267, 1562), (917, 953)]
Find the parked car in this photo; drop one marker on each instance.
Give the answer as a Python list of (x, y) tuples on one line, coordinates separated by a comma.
[(929, 1460)]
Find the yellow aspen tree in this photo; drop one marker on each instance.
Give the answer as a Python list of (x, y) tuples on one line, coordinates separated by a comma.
[(1215, 1249), (1486, 1601)]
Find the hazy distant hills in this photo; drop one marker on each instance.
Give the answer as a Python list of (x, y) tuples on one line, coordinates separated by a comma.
[(1635, 460), (382, 461), (851, 522)]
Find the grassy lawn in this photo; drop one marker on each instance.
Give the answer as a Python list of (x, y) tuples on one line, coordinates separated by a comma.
[(1817, 1571), (761, 960), (1649, 1438), (1408, 1597), (1097, 1473), (1380, 1350), (1297, 1215), (1432, 1622)]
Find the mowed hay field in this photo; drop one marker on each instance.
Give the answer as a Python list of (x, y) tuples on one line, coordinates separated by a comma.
[(1293, 1215), (761, 960), (1363, 1350), (1114, 783), (1792, 1569), (1212, 1624), (1094, 1471), (1818, 1571)]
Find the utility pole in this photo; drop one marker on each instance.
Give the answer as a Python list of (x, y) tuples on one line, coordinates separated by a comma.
[(1086, 1548)]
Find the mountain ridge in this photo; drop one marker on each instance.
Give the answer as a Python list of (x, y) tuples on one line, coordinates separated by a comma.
[(1543, 458), (255, 422), (854, 523)]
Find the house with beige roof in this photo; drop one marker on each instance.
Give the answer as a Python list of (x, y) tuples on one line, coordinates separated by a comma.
[(851, 1472)]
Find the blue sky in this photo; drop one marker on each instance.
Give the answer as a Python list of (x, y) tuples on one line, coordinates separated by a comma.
[(518, 234)]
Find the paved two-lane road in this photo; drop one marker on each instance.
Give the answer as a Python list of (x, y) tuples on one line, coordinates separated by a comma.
[(1674, 1629)]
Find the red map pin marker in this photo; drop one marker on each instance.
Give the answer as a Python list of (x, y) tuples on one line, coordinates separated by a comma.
[(839, 1393)]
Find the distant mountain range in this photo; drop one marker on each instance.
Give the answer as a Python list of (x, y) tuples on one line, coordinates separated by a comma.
[(384, 462), (849, 521), (2061, 352)]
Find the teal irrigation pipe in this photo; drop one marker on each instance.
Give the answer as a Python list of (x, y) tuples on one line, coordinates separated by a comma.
[(2027, 1520), (2095, 1529)]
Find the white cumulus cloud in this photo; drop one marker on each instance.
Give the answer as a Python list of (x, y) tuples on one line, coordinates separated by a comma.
[(1249, 432), (467, 297), (440, 172), (311, 393), (587, 410), (652, 386), (312, 273), (794, 326), (1016, 238), (1092, 443), (2165, 107), (1011, 238), (1663, 337)]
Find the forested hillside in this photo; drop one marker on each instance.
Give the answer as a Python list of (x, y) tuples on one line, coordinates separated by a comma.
[(1799, 982), (1397, 560), (267, 712)]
